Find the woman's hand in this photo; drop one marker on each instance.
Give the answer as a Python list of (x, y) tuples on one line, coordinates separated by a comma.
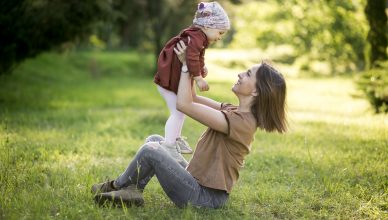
[(180, 51)]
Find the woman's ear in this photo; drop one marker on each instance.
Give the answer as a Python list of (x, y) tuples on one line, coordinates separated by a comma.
[(254, 93)]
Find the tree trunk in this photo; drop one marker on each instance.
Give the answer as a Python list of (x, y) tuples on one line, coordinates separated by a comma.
[(377, 35), (158, 26)]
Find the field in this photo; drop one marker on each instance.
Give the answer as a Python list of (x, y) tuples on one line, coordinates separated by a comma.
[(71, 120)]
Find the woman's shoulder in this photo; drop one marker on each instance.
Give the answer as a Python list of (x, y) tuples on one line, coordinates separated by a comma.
[(236, 117), (241, 126), (228, 107)]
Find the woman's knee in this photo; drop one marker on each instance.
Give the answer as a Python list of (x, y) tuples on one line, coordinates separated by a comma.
[(150, 148), (154, 138), (152, 151)]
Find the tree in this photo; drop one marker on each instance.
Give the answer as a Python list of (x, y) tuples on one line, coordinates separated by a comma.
[(324, 32), (150, 23), (131, 24), (29, 27), (377, 35)]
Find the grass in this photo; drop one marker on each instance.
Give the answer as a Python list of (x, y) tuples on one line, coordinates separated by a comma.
[(69, 121)]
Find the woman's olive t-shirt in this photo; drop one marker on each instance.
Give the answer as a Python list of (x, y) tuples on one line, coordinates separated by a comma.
[(218, 157)]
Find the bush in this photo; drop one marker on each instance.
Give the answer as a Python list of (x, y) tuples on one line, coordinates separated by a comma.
[(30, 27), (374, 84), (338, 40)]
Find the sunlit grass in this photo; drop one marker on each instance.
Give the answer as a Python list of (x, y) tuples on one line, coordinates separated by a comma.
[(63, 128)]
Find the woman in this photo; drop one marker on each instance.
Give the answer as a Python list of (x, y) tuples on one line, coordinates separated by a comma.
[(214, 168)]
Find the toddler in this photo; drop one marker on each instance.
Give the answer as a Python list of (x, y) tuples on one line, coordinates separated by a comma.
[(210, 23)]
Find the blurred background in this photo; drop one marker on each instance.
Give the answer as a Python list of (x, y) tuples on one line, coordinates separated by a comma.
[(77, 99), (304, 38)]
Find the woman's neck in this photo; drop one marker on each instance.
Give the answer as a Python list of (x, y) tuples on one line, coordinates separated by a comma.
[(245, 103)]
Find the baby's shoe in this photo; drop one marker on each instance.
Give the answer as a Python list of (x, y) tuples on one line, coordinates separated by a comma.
[(174, 151), (183, 145)]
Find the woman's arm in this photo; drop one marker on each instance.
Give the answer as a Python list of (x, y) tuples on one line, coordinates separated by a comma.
[(204, 114), (205, 100)]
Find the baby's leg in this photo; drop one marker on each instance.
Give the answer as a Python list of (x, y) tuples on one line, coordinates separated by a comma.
[(174, 124)]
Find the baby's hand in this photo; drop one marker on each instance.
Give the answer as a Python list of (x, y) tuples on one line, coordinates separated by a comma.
[(202, 85)]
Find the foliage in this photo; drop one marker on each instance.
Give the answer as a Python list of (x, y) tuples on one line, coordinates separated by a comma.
[(374, 84), (62, 130), (148, 25), (29, 27), (142, 24), (377, 35), (331, 32)]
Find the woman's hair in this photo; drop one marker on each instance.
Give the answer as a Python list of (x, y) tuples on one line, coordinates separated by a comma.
[(269, 106)]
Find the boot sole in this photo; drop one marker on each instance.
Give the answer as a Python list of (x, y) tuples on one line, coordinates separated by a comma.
[(186, 152), (118, 201)]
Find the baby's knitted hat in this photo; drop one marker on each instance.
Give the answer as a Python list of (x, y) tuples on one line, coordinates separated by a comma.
[(211, 15)]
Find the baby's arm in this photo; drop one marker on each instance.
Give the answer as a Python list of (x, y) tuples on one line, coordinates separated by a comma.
[(202, 64), (205, 100), (204, 71), (195, 62)]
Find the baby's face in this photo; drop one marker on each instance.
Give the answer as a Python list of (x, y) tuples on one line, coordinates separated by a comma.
[(214, 35)]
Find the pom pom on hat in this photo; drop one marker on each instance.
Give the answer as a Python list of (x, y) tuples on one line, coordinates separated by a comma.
[(211, 15)]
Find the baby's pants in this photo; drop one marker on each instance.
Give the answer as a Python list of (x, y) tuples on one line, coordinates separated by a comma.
[(174, 124)]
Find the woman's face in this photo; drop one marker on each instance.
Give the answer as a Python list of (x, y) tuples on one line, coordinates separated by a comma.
[(214, 35), (246, 83)]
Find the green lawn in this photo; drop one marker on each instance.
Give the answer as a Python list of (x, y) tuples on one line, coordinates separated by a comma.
[(69, 121)]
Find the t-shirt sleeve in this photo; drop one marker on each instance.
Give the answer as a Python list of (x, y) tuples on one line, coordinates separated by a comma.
[(240, 128), (228, 106)]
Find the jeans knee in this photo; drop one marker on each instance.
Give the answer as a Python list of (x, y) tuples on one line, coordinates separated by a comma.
[(149, 147), (151, 151)]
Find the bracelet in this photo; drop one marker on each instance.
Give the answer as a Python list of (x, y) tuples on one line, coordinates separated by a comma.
[(184, 69)]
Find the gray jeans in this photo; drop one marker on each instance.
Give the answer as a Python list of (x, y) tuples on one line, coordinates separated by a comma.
[(179, 185)]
